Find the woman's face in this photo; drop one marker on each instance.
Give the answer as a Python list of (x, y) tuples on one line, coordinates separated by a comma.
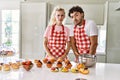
[(77, 17), (59, 16)]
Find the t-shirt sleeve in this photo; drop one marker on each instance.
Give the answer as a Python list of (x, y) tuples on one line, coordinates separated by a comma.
[(47, 31), (93, 29)]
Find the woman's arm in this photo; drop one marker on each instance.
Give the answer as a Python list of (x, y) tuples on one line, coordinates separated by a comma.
[(46, 47), (66, 51)]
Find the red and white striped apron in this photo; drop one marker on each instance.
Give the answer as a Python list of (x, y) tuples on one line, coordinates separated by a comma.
[(81, 39), (57, 42)]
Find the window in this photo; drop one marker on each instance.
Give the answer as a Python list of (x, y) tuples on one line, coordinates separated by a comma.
[(101, 39), (10, 28)]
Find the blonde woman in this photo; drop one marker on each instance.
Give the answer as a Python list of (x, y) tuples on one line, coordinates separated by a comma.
[(56, 36)]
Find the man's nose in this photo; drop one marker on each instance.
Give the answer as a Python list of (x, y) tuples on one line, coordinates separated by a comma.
[(74, 18)]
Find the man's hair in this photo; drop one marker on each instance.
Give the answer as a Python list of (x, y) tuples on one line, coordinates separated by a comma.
[(75, 9)]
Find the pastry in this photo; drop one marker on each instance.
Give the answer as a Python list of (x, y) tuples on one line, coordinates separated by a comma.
[(0, 67), (45, 60), (59, 60), (15, 66), (67, 61), (84, 70), (74, 70), (39, 64), (59, 64), (52, 60), (68, 65), (49, 64), (18, 63), (6, 67), (35, 61), (64, 69), (80, 65), (27, 65), (54, 69)]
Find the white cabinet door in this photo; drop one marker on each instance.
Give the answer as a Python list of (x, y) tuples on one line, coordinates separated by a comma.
[(33, 22), (92, 11)]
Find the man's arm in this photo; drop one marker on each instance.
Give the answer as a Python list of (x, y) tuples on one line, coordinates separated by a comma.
[(94, 43), (73, 45)]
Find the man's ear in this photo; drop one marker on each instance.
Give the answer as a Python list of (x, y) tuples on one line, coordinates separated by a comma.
[(82, 15)]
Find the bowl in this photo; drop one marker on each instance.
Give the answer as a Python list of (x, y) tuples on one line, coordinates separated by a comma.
[(88, 59)]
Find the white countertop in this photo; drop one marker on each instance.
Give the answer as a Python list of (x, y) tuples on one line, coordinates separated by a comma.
[(101, 71)]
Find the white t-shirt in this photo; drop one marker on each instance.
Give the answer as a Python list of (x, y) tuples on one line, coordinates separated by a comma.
[(90, 28)]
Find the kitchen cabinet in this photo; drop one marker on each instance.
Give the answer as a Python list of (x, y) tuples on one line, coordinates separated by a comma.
[(92, 11), (113, 33), (33, 23)]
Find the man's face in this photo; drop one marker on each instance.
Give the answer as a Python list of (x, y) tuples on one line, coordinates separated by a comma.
[(77, 17)]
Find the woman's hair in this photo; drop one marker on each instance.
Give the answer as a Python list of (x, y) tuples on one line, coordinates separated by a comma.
[(75, 9), (52, 18)]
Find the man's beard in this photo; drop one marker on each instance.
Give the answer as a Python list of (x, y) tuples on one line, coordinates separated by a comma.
[(79, 23)]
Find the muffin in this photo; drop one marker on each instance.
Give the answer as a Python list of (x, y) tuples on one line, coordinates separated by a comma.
[(45, 60), (59, 64), (39, 64), (49, 64), (68, 65), (67, 61), (52, 60)]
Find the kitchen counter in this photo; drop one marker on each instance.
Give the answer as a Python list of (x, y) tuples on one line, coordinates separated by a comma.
[(101, 71)]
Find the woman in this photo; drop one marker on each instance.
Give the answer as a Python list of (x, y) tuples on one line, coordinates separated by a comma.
[(56, 36)]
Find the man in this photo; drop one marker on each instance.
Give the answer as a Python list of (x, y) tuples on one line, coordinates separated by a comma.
[(84, 34)]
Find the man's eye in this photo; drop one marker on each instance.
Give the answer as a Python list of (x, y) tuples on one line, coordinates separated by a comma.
[(76, 15)]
